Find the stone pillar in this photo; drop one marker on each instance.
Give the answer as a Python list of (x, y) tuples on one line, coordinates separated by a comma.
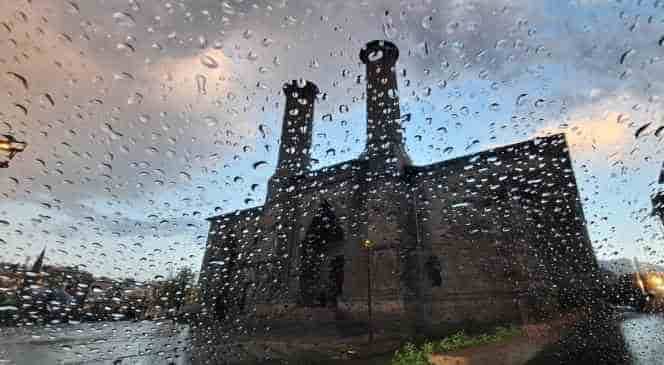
[(384, 133), (296, 131)]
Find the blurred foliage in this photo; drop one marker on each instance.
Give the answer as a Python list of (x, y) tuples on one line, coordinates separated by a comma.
[(176, 290), (411, 354)]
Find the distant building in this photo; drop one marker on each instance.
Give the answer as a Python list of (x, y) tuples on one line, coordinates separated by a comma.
[(482, 238)]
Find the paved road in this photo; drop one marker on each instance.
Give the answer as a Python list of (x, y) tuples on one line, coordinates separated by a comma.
[(644, 335), (623, 338), (116, 343), (618, 338)]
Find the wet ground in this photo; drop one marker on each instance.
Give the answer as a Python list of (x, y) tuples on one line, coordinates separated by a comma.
[(618, 338), (116, 343)]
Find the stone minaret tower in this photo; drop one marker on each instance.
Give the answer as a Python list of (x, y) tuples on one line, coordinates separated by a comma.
[(385, 146), (294, 150)]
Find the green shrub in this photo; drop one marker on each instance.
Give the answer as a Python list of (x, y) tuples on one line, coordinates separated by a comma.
[(411, 354)]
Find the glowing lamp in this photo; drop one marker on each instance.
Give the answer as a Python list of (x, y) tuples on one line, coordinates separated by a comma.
[(9, 147)]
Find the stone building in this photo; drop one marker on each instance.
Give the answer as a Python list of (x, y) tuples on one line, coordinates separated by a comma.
[(483, 238)]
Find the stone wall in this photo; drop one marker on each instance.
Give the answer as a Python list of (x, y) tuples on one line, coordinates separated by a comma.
[(484, 238), (507, 228)]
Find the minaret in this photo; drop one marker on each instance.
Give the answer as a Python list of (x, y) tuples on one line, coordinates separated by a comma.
[(384, 135), (296, 131)]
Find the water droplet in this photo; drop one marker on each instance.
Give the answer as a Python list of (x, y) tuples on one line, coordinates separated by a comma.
[(144, 118), (209, 62), (264, 130), (390, 31), (624, 56), (109, 129), (202, 42), (47, 99), (473, 143), (185, 176), (659, 131), (135, 99), (375, 55), (123, 19), (19, 78), (72, 7), (21, 16), (210, 121), (22, 108), (521, 99), (201, 82), (64, 37), (6, 27), (125, 47), (259, 164), (123, 76), (426, 21), (641, 129)]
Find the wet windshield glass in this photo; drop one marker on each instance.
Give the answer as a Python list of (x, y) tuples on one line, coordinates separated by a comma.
[(390, 182)]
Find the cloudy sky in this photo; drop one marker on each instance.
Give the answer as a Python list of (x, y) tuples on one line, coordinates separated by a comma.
[(143, 117)]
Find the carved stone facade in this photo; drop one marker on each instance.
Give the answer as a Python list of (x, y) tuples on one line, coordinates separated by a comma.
[(481, 238)]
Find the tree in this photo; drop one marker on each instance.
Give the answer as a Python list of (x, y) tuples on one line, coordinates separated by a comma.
[(173, 291)]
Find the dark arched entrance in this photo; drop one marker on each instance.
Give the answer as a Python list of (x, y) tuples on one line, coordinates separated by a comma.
[(322, 260)]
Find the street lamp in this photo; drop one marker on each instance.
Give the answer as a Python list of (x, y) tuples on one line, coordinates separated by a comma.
[(368, 245), (9, 147)]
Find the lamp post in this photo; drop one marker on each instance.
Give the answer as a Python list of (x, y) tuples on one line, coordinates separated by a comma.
[(9, 147), (368, 245)]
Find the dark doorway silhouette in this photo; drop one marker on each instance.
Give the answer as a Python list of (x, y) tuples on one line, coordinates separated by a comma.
[(336, 280), (433, 271), (321, 276)]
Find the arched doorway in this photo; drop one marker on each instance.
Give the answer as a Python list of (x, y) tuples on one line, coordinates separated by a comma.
[(322, 260)]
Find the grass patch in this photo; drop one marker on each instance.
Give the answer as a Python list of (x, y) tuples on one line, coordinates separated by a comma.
[(411, 354)]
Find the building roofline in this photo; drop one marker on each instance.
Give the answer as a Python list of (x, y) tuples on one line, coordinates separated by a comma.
[(235, 212), (412, 169), (493, 150)]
